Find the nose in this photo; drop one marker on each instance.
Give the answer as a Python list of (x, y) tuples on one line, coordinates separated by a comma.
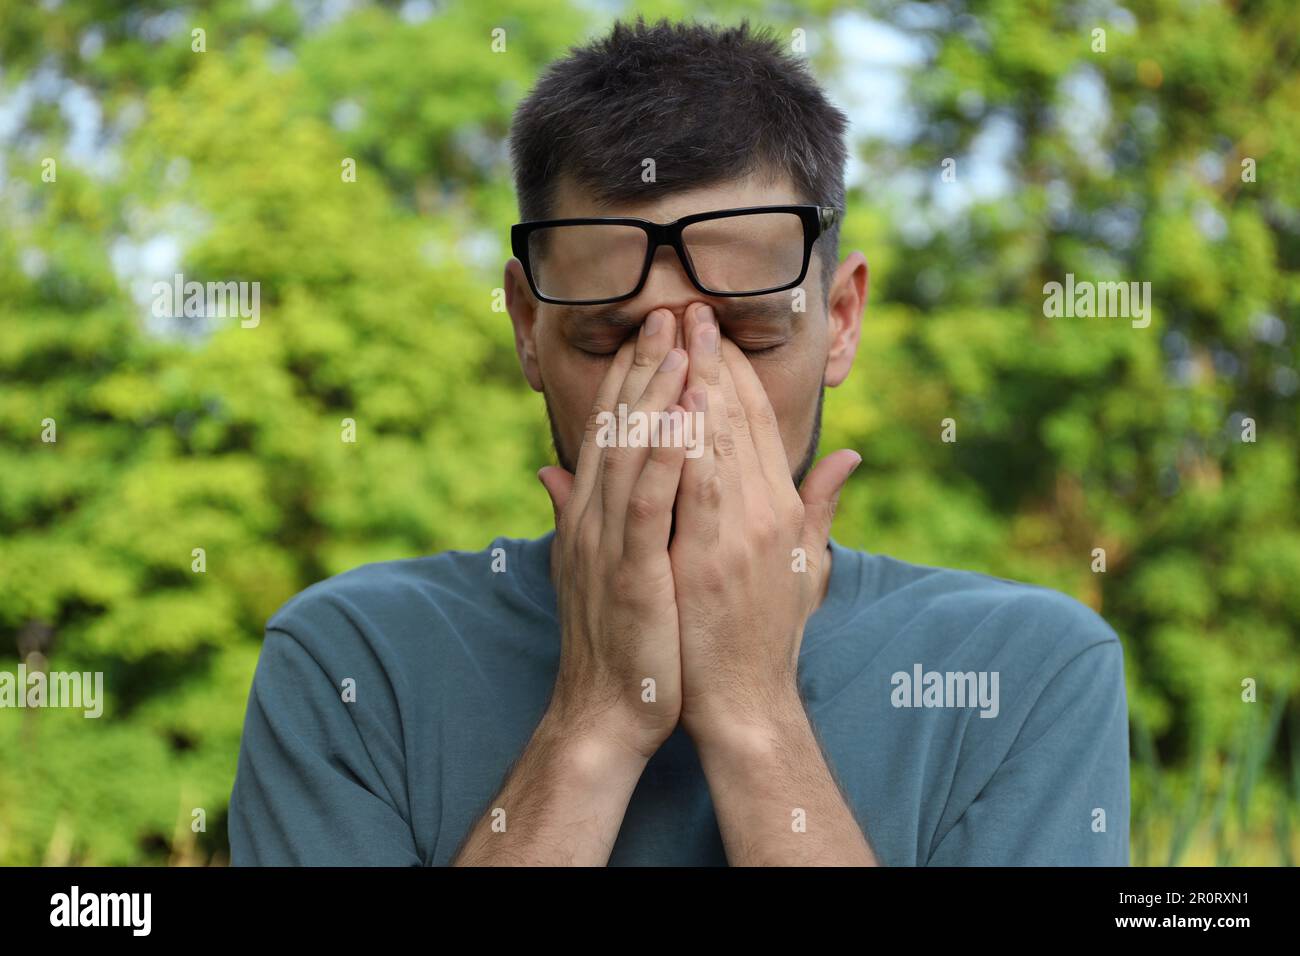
[(669, 287)]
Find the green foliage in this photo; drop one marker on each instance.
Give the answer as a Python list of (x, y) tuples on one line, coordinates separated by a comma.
[(376, 306)]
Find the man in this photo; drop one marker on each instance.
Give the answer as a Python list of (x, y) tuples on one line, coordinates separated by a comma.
[(688, 671)]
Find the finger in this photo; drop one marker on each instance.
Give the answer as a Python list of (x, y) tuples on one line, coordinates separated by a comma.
[(763, 426), (558, 483), (754, 481), (559, 487), (621, 466), (649, 347), (657, 336), (706, 374), (821, 494), (699, 494), (590, 454), (650, 504)]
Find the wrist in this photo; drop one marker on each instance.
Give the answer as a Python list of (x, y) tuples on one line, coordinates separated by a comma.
[(593, 743), (749, 735)]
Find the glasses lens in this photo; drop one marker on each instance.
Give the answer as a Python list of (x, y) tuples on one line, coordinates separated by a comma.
[(748, 253), (586, 262)]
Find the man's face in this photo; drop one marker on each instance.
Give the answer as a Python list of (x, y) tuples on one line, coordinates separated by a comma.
[(565, 350)]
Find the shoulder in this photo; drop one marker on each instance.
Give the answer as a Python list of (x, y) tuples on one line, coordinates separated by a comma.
[(371, 590), (397, 601), (977, 615)]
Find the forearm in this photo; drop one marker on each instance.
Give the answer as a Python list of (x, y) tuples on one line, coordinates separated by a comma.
[(562, 804), (775, 798)]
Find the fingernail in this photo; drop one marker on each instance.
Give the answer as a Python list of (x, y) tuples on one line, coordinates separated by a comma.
[(709, 336), (672, 360), (855, 464), (653, 322)]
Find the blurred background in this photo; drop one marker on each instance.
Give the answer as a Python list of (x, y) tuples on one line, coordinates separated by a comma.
[(1170, 155)]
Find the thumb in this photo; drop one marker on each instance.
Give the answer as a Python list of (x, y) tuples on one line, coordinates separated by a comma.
[(821, 494), (558, 483)]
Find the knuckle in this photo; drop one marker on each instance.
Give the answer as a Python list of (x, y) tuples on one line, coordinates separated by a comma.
[(616, 460), (737, 558), (642, 508), (710, 491), (724, 443), (665, 461), (763, 526), (764, 417), (710, 577)]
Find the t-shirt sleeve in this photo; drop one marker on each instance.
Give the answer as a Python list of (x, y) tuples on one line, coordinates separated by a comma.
[(315, 781), (1060, 797)]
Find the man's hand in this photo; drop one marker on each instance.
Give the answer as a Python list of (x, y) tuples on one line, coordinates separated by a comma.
[(565, 799), (618, 614), (750, 562), (750, 555)]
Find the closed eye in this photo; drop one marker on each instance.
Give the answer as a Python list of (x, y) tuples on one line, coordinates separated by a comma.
[(762, 351), (590, 353), (605, 347)]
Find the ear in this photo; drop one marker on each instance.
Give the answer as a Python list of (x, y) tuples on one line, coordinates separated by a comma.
[(848, 298), (522, 307)]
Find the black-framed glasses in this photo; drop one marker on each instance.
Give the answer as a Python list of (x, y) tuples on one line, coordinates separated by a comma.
[(754, 250)]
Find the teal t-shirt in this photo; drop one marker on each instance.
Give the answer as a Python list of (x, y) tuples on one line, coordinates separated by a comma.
[(969, 720)]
